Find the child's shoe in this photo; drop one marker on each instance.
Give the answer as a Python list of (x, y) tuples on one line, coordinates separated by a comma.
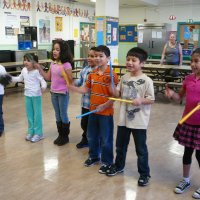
[(91, 161), (181, 187), (103, 169), (196, 194), (113, 170), (28, 137), (37, 138), (143, 180)]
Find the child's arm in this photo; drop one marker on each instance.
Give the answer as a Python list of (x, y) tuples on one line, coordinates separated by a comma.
[(46, 75), (69, 75), (173, 95), (81, 90), (142, 101), (42, 82), (16, 79)]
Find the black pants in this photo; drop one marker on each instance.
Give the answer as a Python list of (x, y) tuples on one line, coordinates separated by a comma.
[(84, 122)]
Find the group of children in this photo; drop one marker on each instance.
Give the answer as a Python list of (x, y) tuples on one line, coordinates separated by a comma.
[(97, 83)]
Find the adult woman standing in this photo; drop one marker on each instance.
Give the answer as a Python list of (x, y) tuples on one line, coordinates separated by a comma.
[(172, 52)]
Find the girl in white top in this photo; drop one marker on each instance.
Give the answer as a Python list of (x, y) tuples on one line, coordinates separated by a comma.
[(33, 84), (2, 72)]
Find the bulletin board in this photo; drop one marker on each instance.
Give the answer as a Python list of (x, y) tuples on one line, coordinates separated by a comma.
[(87, 32), (189, 36), (111, 32), (100, 31), (128, 33)]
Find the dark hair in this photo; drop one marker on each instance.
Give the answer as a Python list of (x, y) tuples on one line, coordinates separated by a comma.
[(30, 57), (139, 53), (93, 48), (65, 51), (196, 51), (104, 49)]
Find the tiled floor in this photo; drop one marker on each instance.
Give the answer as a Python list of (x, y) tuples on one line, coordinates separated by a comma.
[(44, 171)]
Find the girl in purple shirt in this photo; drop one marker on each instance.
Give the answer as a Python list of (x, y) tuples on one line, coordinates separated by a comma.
[(188, 133), (62, 59)]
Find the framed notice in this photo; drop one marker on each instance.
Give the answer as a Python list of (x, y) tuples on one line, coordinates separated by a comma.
[(128, 33)]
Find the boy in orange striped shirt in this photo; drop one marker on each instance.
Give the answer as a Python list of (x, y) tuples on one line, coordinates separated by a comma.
[(100, 123)]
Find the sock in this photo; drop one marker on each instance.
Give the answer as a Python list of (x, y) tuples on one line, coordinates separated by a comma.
[(186, 179)]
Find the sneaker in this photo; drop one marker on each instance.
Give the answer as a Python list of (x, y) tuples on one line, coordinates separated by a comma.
[(103, 169), (91, 161), (196, 194), (143, 180), (113, 170), (37, 138), (82, 144), (181, 187), (28, 137)]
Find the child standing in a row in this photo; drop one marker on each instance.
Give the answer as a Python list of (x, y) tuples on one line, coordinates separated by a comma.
[(62, 59), (85, 101), (188, 133), (134, 117), (33, 83), (100, 124)]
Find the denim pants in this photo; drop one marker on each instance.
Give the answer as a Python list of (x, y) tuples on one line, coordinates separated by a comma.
[(100, 137), (60, 103), (122, 141), (1, 114), (34, 114)]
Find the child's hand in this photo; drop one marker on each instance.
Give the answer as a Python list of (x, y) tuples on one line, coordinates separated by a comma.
[(43, 89), (168, 92), (36, 65), (113, 91), (137, 101)]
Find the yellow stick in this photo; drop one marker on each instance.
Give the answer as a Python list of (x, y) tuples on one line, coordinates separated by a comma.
[(65, 76), (122, 100), (189, 114)]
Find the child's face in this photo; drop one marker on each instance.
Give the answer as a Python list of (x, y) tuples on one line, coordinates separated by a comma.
[(56, 51), (195, 64), (28, 64), (91, 58), (133, 64), (101, 59)]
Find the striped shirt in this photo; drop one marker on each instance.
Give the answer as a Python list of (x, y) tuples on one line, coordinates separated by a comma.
[(99, 85)]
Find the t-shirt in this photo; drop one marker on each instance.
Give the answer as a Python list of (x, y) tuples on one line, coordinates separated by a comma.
[(172, 55), (131, 87), (99, 85), (58, 83), (2, 71), (192, 88)]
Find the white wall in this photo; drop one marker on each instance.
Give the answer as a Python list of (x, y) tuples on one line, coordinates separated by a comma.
[(159, 15)]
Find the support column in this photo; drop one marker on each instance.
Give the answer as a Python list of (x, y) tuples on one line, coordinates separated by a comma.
[(107, 23)]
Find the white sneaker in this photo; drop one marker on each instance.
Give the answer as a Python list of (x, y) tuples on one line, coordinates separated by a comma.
[(196, 194), (37, 138), (28, 137), (181, 187)]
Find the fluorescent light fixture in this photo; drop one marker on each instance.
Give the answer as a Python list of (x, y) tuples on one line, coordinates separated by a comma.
[(94, 1)]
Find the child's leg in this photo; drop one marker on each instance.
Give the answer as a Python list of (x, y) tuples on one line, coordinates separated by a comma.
[(197, 154), (29, 114), (84, 123), (93, 137), (106, 126), (37, 107), (140, 137), (122, 141), (187, 160), (54, 100)]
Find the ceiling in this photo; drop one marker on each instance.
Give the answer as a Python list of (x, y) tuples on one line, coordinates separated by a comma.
[(142, 3)]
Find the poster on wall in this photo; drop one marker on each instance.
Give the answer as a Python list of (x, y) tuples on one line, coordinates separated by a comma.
[(87, 32), (112, 31), (127, 33), (188, 36), (12, 24), (100, 29), (44, 31), (59, 24), (24, 21)]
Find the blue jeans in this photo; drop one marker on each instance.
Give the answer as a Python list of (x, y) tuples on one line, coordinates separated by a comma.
[(60, 103), (122, 141), (1, 114), (100, 137)]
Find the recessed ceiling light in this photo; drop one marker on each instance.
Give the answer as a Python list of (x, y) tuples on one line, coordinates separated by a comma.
[(93, 1)]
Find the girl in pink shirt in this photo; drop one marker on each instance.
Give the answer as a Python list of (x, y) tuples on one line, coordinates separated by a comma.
[(188, 133), (62, 59)]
